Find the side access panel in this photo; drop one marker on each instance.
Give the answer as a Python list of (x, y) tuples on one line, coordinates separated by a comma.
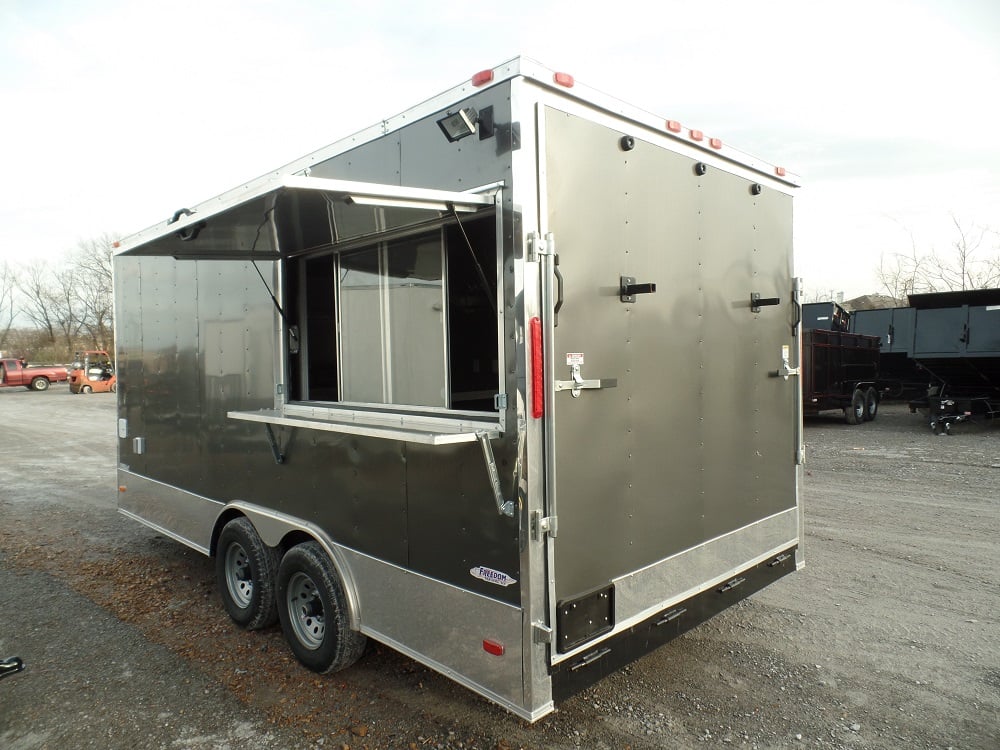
[(902, 331), (984, 331), (940, 332), (870, 323)]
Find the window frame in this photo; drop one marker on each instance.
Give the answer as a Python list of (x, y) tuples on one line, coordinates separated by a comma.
[(410, 422)]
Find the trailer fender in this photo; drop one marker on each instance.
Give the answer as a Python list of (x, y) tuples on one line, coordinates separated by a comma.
[(274, 527)]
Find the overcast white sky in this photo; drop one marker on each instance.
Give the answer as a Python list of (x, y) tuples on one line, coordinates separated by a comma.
[(116, 113)]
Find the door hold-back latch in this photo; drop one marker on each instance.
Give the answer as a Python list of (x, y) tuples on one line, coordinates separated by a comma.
[(578, 383), (786, 370)]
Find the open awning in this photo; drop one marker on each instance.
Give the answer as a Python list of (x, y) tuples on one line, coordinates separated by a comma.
[(295, 214)]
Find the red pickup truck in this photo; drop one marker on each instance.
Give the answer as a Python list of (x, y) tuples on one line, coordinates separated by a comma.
[(15, 372)]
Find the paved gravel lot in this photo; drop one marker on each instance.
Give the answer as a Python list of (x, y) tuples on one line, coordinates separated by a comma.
[(888, 639)]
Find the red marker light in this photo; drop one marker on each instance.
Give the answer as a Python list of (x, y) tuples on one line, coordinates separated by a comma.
[(537, 391), (564, 79), (673, 126), (482, 77), (493, 647), (715, 142), (696, 135), (780, 171)]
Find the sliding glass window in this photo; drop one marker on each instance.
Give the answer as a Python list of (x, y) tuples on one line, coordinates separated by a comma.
[(392, 323), (405, 318)]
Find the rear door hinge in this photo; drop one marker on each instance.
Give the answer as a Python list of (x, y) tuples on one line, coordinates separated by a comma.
[(541, 525), (541, 633), (538, 246)]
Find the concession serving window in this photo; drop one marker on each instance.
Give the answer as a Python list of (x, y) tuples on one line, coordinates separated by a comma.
[(388, 300)]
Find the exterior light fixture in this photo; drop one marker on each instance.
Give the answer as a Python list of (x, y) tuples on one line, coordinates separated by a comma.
[(460, 124)]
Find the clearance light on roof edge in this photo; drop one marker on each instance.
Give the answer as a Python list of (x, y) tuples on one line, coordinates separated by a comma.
[(564, 79), (482, 77), (696, 135), (673, 126), (715, 142), (780, 171)]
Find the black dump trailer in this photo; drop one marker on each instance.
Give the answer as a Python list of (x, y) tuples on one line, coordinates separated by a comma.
[(956, 341), (827, 316), (900, 376), (840, 371)]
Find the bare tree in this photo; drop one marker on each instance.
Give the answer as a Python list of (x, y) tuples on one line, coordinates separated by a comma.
[(7, 312), (34, 284), (66, 309), (969, 264), (965, 267), (901, 273), (72, 302), (92, 262)]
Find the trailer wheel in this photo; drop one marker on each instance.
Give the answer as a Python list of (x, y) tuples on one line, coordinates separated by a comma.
[(40, 384), (312, 608), (871, 404), (855, 413), (245, 571)]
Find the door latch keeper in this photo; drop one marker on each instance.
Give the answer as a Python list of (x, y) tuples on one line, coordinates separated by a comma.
[(628, 289)]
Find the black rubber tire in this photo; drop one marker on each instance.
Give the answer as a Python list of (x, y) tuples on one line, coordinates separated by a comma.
[(86, 389), (245, 572), (312, 608), (871, 405), (855, 413), (40, 384)]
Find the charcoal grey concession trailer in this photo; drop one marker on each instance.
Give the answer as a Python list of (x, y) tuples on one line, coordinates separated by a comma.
[(523, 404)]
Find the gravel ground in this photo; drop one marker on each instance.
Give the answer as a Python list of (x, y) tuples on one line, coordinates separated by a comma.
[(887, 639)]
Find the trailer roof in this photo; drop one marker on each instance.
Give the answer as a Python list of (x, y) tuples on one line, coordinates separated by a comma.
[(519, 67)]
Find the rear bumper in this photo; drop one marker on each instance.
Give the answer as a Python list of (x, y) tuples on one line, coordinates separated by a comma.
[(607, 656)]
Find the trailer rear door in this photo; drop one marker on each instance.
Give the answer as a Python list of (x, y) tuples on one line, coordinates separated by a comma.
[(681, 432)]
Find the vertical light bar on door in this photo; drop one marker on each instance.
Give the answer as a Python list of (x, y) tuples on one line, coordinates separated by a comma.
[(537, 369)]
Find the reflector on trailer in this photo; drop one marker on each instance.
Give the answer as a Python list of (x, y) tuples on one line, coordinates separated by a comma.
[(493, 647), (564, 79), (537, 394), (482, 77)]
